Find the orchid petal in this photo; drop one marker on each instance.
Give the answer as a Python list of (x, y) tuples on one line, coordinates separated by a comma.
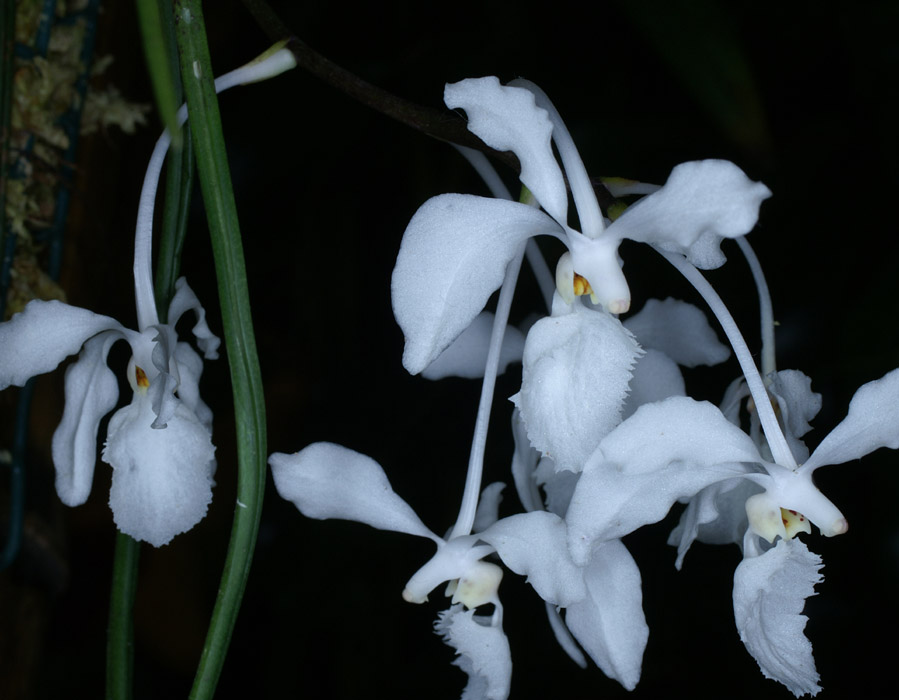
[(701, 203), (162, 478), (483, 652), (736, 391), (524, 464), (91, 391), (190, 366), (715, 515), (656, 377), (488, 506), (798, 403), (508, 119), (185, 300), (677, 429), (534, 545), (609, 623), (41, 336), (678, 329), (665, 452), (325, 480), (588, 211), (872, 422), (558, 486), (769, 594), (163, 340), (453, 256), (466, 356), (563, 635), (577, 367), (164, 382)]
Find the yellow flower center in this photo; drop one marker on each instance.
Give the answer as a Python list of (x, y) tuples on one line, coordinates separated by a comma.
[(142, 382)]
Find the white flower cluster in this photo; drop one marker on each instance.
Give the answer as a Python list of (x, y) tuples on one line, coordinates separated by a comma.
[(606, 438)]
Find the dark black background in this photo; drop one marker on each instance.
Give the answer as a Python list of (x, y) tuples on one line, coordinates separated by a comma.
[(801, 95)]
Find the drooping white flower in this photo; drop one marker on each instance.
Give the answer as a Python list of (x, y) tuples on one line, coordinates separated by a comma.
[(717, 514), (603, 601), (675, 449), (159, 445), (325, 481), (456, 248)]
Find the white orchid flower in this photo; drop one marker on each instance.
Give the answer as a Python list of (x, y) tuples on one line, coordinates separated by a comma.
[(674, 449), (160, 445), (456, 248), (603, 601), (327, 481), (578, 371)]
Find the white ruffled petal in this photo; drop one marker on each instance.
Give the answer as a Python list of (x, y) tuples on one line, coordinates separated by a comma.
[(453, 256), (577, 367), (872, 422), (609, 623), (534, 545), (467, 355), (91, 392), (162, 479), (508, 119), (665, 452), (325, 480), (678, 329), (483, 652), (769, 594), (701, 203), (45, 333)]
